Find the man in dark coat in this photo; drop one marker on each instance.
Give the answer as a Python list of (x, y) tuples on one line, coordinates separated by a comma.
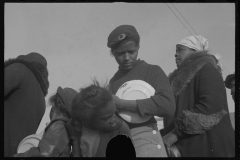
[(230, 84), (201, 125), (25, 87), (124, 44)]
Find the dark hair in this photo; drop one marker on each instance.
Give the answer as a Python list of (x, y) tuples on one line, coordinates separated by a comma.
[(56, 102), (89, 100)]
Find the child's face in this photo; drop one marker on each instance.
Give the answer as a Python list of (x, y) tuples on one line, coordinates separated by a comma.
[(106, 119)]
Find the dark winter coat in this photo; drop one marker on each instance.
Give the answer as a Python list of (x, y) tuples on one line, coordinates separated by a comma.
[(76, 134), (25, 88), (198, 87)]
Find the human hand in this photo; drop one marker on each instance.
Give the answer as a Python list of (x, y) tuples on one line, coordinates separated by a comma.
[(169, 139), (117, 101)]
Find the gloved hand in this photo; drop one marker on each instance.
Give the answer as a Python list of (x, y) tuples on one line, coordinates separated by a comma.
[(169, 141)]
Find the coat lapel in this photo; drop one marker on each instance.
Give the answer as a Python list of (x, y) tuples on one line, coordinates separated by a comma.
[(180, 77)]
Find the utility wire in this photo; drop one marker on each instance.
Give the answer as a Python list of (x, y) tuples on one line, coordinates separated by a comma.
[(184, 19), (191, 28), (226, 69), (179, 19), (222, 65)]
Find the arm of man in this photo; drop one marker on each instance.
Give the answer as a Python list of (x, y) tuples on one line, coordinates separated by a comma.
[(161, 104), (13, 77)]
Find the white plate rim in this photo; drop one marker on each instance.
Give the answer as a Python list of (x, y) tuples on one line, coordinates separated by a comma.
[(134, 84), (26, 140)]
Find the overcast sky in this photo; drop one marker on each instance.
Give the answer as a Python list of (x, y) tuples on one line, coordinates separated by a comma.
[(73, 36)]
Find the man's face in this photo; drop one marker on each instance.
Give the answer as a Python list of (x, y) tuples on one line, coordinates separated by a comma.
[(232, 86), (106, 119), (126, 55), (182, 52)]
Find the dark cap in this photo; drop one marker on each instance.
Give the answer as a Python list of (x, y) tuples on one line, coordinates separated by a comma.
[(67, 95), (33, 56), (122, 34), (228, 80)]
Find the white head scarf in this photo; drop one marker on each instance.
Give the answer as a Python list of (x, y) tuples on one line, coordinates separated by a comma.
[(195, 42), (199, 43)]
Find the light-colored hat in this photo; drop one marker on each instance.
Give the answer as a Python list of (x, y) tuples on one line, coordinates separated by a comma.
[(195, 42)]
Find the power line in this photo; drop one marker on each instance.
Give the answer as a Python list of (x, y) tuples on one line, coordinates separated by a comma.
[(184, 19), (179, 19), (226, 69), (219, 56), (192, 29)]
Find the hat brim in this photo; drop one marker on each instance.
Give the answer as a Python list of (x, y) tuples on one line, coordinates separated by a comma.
[(61, 93), (228, 80)]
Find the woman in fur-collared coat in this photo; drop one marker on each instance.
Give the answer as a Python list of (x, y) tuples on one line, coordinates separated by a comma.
[(201, 125), (25, 87)]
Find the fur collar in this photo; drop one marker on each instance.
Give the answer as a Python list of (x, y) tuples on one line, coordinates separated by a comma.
[(181, 76), (40, 72)]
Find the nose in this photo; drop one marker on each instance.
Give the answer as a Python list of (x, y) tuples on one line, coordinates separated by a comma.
[(126, 56), (111, 122), (176, 55)]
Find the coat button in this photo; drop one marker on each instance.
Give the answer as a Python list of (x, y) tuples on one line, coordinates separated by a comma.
[(159, 146), (154, 132)]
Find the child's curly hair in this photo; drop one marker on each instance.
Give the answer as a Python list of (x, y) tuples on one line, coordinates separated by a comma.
[(89, 100), (56, 102)]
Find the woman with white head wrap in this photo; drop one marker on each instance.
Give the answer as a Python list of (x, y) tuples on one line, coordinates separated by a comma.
[(200, 126), (195, 42)]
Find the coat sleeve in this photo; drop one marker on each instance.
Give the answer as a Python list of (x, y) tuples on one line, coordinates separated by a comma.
[(13, 77), (209, 106), (163, 102), (210, 91), (53, 143)]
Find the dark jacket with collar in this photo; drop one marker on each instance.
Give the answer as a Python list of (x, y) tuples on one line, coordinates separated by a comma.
[(60, 136), (25, 87), (198, 87), (75, 138)]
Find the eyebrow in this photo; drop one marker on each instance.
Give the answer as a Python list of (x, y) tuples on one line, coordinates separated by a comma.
[(121, 50)]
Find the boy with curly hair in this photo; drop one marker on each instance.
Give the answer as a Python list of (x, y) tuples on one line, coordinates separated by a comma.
[(94, 121)]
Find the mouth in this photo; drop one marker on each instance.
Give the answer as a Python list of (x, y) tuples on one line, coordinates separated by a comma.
[(177, 60), (127, 64)]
